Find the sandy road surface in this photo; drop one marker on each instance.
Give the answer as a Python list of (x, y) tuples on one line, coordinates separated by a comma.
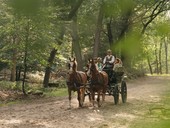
[(54, 113)]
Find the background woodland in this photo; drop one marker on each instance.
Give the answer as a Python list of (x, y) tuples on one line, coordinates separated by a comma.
[(40, 35)]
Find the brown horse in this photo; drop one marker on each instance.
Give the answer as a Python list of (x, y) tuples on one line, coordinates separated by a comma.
[(99, 82), (76, 82)]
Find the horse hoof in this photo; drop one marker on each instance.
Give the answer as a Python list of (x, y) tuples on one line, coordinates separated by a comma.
[(68, 108), (91, 107), (80, 106), (99, 105), (90, 104)]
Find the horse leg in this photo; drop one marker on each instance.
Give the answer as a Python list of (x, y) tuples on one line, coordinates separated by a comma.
[(69, 94), (79, 98), (89, 95), (103, 94), (98, 99), (92, 99)]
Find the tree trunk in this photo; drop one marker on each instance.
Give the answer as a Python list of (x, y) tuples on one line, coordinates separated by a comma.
[(74, 9), (109, 31), (25, 69), (149, 64), (98, 31), (25, 56), (75, 43), (52, 56), (160, 58), (13, 69), (14, 60), (156, 60), (166, 55), (18, 73), (48, 68)]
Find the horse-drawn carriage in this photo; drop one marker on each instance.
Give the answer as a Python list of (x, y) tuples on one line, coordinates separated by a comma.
[(115, 80), (104, 82)]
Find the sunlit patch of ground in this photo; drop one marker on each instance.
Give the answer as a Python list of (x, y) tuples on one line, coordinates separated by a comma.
[(125, 116), (11, 121)]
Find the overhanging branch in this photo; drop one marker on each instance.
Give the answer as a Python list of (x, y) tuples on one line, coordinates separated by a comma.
[(74, 10)]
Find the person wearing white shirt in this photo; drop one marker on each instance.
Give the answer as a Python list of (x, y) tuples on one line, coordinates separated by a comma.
[(108, 60), (108, 63)]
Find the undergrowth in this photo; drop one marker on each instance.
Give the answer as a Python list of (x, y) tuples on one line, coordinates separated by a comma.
[(11, 92)]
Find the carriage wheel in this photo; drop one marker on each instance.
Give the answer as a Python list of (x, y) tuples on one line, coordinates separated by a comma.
[(124, 91), (116, 94)]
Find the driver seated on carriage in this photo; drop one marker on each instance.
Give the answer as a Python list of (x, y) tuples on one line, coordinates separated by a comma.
[(108, 63)]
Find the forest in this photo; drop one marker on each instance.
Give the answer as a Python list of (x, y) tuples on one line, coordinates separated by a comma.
[(40, 36)]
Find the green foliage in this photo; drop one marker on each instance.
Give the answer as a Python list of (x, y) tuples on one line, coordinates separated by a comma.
[(34, 24), (131, 45), (40, 22), (117, 8), (55, 92), (33, 88), (3, 65), (6, 85), (153, 38), (9, 103), (163, 29), (26, 7), (155, 124)]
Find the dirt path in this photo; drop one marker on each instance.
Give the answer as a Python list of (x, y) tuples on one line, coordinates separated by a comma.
[(54, 113)]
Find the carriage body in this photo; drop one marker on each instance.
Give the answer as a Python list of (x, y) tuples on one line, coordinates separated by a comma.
[(117, 84)]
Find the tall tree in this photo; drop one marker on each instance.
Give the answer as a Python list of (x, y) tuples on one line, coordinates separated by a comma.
[(97, 37), (63, 18), (166, 54), (160, 57), (75, 43), (48, 67)]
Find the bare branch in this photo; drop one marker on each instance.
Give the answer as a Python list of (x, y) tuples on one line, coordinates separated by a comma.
[(159, 8)]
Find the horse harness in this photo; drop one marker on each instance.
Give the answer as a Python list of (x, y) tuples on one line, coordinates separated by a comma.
[(97, 79), (76, 82)]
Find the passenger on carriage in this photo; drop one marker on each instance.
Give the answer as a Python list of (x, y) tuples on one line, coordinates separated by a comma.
[(118, 63), (99, 64)]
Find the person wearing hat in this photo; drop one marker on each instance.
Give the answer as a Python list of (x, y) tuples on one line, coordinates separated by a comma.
[(108, 60), (108, 63)]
